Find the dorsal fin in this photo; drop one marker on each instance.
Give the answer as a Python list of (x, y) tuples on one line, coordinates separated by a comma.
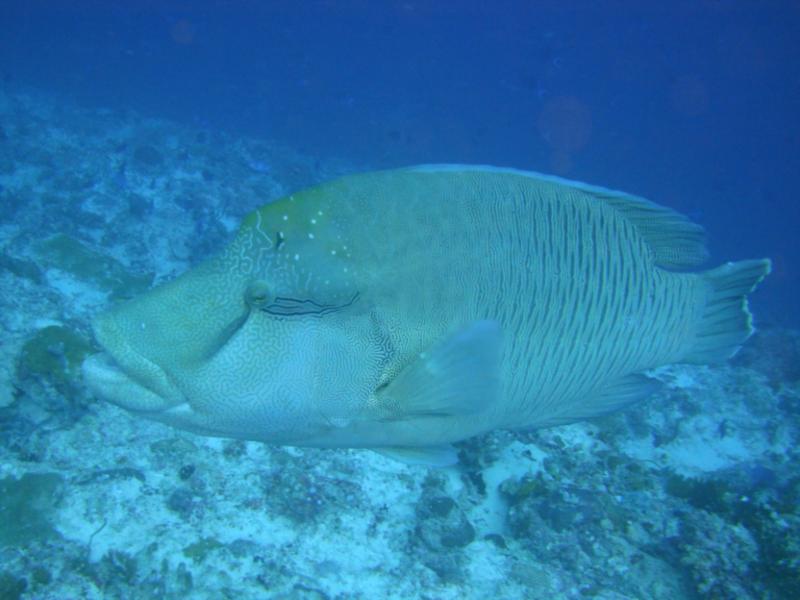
[(676, 242)]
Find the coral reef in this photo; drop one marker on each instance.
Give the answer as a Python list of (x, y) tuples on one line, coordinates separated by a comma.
[(693, 494)]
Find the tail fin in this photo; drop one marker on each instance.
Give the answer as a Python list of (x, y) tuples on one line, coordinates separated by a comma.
[(726, 321)]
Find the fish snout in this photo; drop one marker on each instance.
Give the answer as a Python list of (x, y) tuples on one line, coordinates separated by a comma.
[(124, 376)]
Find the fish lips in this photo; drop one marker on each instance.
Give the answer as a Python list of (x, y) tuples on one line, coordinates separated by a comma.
[(124, 377)]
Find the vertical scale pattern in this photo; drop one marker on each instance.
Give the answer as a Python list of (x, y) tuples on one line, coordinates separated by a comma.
[(571, 280)]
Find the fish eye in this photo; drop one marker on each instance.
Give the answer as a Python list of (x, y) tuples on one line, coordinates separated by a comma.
[(257, 294)]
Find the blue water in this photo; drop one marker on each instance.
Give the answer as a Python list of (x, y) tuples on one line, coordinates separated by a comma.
[(692, 104), (135, 134)]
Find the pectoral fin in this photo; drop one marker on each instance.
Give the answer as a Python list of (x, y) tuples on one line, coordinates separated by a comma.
[(458, 377)]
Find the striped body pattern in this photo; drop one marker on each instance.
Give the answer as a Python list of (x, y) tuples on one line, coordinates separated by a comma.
[(404, 310)]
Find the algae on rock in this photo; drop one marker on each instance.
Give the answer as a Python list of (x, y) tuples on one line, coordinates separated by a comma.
[(84, 263), (21, 268), (26, 508), (54, 354)]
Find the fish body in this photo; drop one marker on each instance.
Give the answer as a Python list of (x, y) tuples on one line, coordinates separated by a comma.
[(408, 309)]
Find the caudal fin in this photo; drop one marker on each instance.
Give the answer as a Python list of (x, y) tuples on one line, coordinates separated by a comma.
[(726, 321)]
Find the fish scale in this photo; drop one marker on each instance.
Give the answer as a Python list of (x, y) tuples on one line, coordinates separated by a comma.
[(405, 310)]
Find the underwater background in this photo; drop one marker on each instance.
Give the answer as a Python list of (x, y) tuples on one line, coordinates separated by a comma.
[(135, 135)]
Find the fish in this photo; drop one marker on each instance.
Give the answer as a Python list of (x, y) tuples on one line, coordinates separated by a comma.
[(406, 310)]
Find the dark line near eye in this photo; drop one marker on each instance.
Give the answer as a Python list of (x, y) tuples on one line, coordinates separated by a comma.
[(279, 299), (294, 307)]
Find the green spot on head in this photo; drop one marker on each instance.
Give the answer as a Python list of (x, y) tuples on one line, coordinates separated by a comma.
[(302, 213)]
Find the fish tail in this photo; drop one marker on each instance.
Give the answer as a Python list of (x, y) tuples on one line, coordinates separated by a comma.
[(726, 321)]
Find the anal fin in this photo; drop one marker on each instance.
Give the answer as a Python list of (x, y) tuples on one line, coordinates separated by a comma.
[(615, 395)]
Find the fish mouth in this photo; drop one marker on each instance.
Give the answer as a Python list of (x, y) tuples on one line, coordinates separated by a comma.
[(124, 377)]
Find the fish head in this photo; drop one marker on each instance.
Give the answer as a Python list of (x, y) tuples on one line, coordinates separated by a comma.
[(241, 346)]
